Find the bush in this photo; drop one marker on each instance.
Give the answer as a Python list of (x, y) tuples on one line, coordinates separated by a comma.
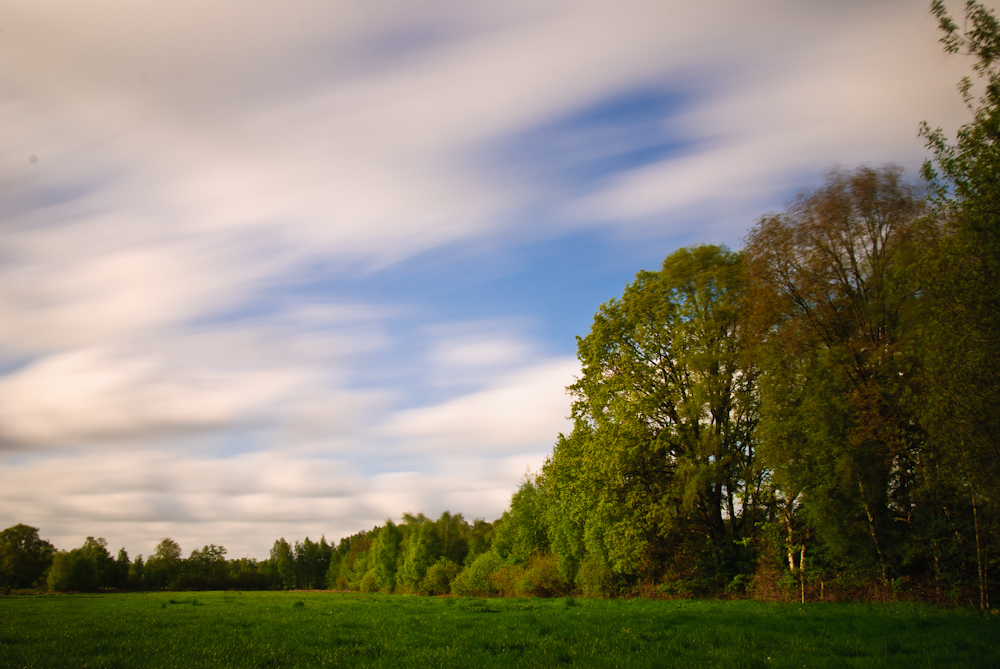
[(437, 580), (368, 582), (506, 581), (475, 580), (595, 578), (541, 578)]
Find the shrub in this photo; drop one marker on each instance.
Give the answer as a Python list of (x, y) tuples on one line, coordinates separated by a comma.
[(475, 580), (595, 578), (541, 578), (506, 581), (368, 582), (437, 580)]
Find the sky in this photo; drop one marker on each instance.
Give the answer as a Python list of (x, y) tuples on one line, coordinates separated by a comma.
[(289, 269)]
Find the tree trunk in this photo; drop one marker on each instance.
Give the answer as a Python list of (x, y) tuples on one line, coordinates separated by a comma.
[(802, 572), (980, 567), (986, 555), (791, 532), (874, 534)]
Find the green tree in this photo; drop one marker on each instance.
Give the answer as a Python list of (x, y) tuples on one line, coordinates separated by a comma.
[(96, 552), (312, 561), (452, 532), (24, 556), (961, 276), (523, 529), (478, 539), (384, 557), (832, 290), (476, 579), (419, 548), (248, 574), (137, 574), (438, 577), (83, 569), (282, 561), (121, 569), (72, 571), (206, 568), (164, 565), (350, 562), (343, 558), (660, 464)]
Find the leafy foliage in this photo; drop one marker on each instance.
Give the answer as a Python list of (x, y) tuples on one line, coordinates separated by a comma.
[(24, 556), (662, 451), (960, 278), (832, 293)]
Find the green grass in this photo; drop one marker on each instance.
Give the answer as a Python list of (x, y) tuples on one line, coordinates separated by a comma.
[(311, 629)]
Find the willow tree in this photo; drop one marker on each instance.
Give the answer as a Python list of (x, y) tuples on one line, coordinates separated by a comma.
[(660, 465), (831, 291)]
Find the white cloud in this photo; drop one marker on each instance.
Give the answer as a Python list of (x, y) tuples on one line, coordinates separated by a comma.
[(236, 436), (521, 411), (88, 396), (135, 497), (848, 96), (288, 371)]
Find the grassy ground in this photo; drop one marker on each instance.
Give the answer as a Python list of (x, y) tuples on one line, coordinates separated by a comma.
[(307, 629)]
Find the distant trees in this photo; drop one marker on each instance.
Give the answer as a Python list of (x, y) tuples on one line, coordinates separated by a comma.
[(164, 565), (312, 561), (205, 569), (281, 563), (24, 557), (83, 569), (418, 556), (304, 565)]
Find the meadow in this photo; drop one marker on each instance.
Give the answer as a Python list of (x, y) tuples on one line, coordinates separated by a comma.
[(325, 629)]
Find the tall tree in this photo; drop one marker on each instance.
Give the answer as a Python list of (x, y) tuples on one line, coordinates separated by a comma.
[(419, 547), (84, 569), (660, 463), (207, 568), (962, 277), (830, 293), (121, 569), (312, 561), (523, 528), (72, 571), (282, 561), (384, 557), (137, 574), (96, 552), (164, 565)]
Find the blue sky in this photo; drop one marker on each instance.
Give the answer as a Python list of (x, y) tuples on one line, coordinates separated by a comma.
[(294, 268)]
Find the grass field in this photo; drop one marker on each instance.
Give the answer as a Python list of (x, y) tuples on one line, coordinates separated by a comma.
[(315, 629)]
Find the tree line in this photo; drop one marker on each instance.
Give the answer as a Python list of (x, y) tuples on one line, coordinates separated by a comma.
[(816, 416), (419, 555)]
